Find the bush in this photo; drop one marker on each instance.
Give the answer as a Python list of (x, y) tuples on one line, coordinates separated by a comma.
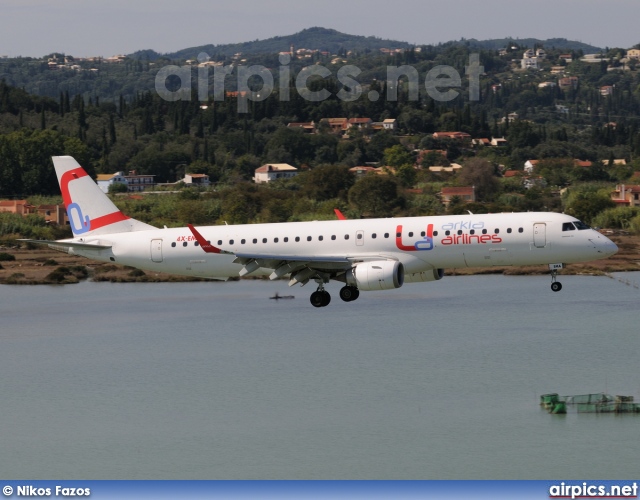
[(58, 275), (6, 257)]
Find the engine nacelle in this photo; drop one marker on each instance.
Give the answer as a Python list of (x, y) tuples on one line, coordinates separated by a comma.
[(433, 275), (377, 275)]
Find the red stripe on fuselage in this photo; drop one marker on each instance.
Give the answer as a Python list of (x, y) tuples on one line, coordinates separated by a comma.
[(204, 244)]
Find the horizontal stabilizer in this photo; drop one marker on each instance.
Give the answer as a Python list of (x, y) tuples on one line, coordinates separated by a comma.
[(69, 244)]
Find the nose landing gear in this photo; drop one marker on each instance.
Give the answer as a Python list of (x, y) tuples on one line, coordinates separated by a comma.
[(556, 286)]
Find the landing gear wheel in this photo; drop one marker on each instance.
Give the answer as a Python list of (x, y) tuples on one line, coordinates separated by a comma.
[(320, 298), (349, 293), (556, 286), (316, 299)]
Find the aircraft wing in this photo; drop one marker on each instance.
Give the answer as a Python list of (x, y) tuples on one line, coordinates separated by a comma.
[(302, 267)]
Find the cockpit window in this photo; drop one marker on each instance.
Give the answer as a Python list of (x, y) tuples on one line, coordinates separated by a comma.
[(568, 226), (581, 225)]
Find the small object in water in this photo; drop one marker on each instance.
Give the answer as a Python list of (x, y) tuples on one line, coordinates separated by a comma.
[(277, 296)]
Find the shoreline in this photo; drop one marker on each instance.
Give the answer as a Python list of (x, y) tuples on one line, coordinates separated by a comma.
[(44, 266)]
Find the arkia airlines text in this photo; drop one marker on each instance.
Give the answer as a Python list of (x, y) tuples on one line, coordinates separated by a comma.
[(364, 255)]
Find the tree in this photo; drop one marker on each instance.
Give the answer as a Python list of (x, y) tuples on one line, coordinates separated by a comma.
[(397, 156), (480, 173), (376, 195), (586, 204), (118, 187), (328, 181), (406, 174)]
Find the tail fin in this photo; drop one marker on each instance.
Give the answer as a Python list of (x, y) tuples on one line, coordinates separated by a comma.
[(90, 211)]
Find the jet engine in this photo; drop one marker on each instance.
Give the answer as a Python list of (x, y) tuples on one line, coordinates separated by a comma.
[(377, 275)]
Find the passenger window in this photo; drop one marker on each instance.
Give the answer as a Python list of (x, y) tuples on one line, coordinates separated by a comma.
[(185, 244), (197, 244), (255, 240), (173, 244), (568, 226), (230, 242), (459, 232), (308, 238), (508, 230), (411, 234), (447, 232), (423, 233), (496, 230), (333, 236), (472, 231), (219, 242), (386, 235), (286, 239), (243, 241), (275, 240), (264, 240), (359, 236), (435, 233), (320, 238), (374, 236), (520, 230), (346, 236), (297, 238), (398, 235), (484, 231)]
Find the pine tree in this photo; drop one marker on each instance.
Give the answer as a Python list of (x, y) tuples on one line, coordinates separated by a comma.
[(112, 129)]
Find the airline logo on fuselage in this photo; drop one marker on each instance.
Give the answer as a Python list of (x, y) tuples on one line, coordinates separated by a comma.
[(465, 234)]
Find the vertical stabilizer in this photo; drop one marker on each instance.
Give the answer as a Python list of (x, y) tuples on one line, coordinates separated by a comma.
[(90, 211)]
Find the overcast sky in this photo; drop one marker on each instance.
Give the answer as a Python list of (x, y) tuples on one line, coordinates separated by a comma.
[(109, 27)]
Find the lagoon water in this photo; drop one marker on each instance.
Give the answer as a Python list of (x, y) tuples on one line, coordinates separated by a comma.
[(214, 381)]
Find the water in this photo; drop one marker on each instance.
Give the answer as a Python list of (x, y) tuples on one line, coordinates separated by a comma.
[(214, 381)]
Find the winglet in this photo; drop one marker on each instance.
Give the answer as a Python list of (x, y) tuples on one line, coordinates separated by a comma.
[(339, 214), (206, 246)]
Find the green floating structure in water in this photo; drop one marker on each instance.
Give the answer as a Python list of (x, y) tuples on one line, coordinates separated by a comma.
[(553, 404), (589, 403)]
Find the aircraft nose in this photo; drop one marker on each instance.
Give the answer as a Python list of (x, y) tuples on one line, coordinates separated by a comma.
[(610, 247), (606, 246)]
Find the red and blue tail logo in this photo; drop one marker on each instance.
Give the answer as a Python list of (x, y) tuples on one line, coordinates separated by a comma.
[(81, 223)]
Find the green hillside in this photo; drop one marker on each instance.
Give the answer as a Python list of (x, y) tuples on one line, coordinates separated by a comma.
[(311, 38)]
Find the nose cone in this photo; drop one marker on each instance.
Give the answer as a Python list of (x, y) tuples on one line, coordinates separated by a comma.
[(605, 246), (610, 248)]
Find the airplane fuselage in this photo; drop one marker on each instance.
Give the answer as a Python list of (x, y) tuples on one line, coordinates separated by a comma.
[(419, 243)]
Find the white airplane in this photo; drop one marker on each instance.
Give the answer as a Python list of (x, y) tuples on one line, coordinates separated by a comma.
[(365, 255)]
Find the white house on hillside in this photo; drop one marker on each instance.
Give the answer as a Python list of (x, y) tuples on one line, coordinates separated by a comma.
[(104, 181), (273, 171), (196, 180)]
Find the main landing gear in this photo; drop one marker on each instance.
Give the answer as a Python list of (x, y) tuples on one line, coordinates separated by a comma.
[(349, 293), (321, 298), (556, 286)]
